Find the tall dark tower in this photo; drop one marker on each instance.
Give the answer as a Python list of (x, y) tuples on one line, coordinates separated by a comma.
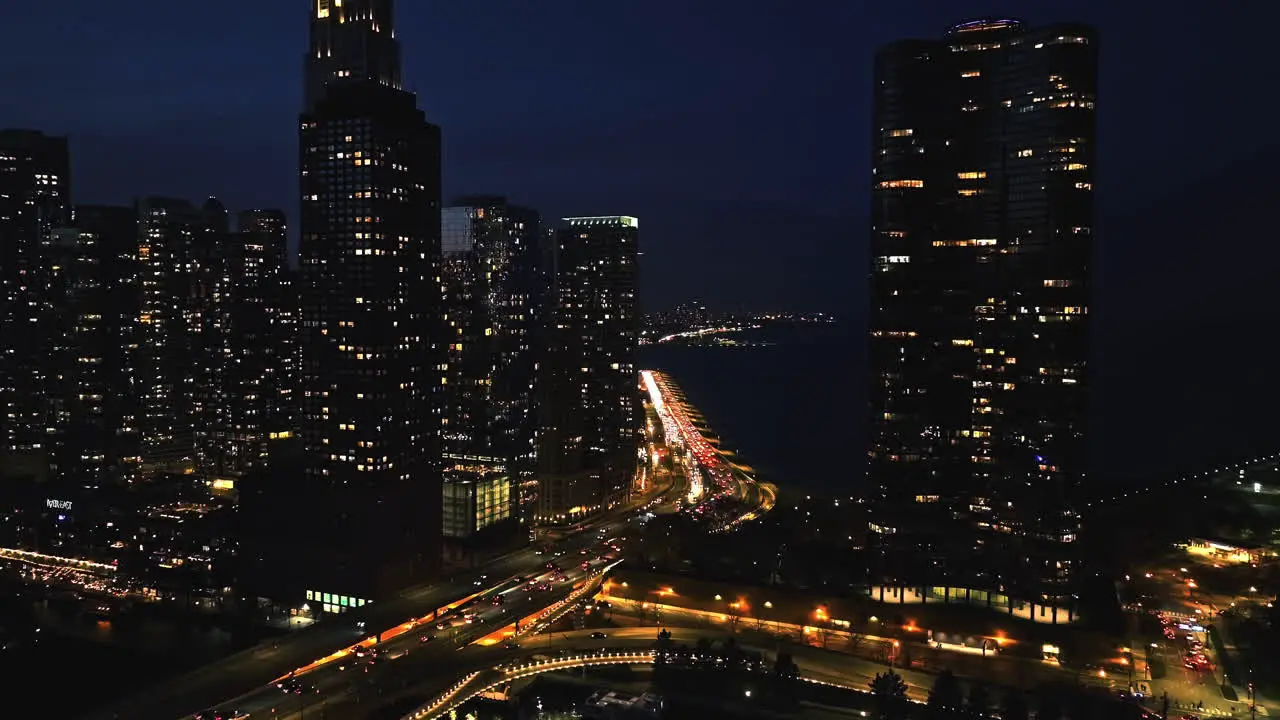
[(370, 247), (351, 41), (982, 230)]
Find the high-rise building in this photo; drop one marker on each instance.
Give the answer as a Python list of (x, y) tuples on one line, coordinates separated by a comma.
[(489, 255), (592, 422), (35, 198), (90, 286), (982, 220), (371, 376), (182, 340), (260, 372)]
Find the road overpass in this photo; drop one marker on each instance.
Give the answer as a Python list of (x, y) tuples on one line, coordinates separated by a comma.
[(635, 646)]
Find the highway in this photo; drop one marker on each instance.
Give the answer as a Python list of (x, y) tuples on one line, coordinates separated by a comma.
[(726, 478), (258, 666), (421, 656)]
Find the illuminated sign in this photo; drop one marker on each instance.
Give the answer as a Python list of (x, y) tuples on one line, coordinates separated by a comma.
[(57, 504)]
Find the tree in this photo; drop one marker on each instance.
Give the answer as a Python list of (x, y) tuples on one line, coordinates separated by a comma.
[(978, 704), (785, 668), (945, 698), (1014, 706), (889, 696)]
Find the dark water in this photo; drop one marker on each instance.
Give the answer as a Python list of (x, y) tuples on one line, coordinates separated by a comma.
[(72, 677), (794, 411), (97, 662)]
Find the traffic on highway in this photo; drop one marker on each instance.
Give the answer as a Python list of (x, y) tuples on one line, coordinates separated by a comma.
[(421, 653)]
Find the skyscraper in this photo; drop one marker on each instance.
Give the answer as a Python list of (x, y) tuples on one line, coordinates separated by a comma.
[(982, 220), (591, 427), (260, 372), (489, 285), (91, 286), (182, 337), (35, 198), (370, 245)]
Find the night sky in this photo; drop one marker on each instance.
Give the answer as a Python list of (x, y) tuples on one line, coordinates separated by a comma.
[(737, 131)]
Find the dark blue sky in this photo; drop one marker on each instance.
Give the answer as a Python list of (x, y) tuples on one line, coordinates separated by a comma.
[(737, 131)]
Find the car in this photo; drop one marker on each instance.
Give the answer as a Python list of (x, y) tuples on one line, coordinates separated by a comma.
[(597, 635), (294, 686), (427, 638)]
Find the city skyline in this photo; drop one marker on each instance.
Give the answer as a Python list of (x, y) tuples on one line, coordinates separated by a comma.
[(386, 420), (547, 157)]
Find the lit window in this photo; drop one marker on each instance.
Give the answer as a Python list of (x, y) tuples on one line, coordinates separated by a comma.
[(900, 184), (971, 175), (901, 132)]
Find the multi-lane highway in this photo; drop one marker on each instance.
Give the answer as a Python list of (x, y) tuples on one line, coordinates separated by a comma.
[(725, 479), (256, 667), (419, 655)]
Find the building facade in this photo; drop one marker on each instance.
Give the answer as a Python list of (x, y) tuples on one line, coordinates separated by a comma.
[(90, 285), (35, 198), (260, 372), (982, 219), (371, 372), (182, 332), (592, 423), (489, 278)]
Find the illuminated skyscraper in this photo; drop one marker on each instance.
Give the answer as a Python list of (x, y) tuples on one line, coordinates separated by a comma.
[(591, 427), (181, 336), (35, 198), (261, 372), (370, 246), (982, 221), (91, 286)]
